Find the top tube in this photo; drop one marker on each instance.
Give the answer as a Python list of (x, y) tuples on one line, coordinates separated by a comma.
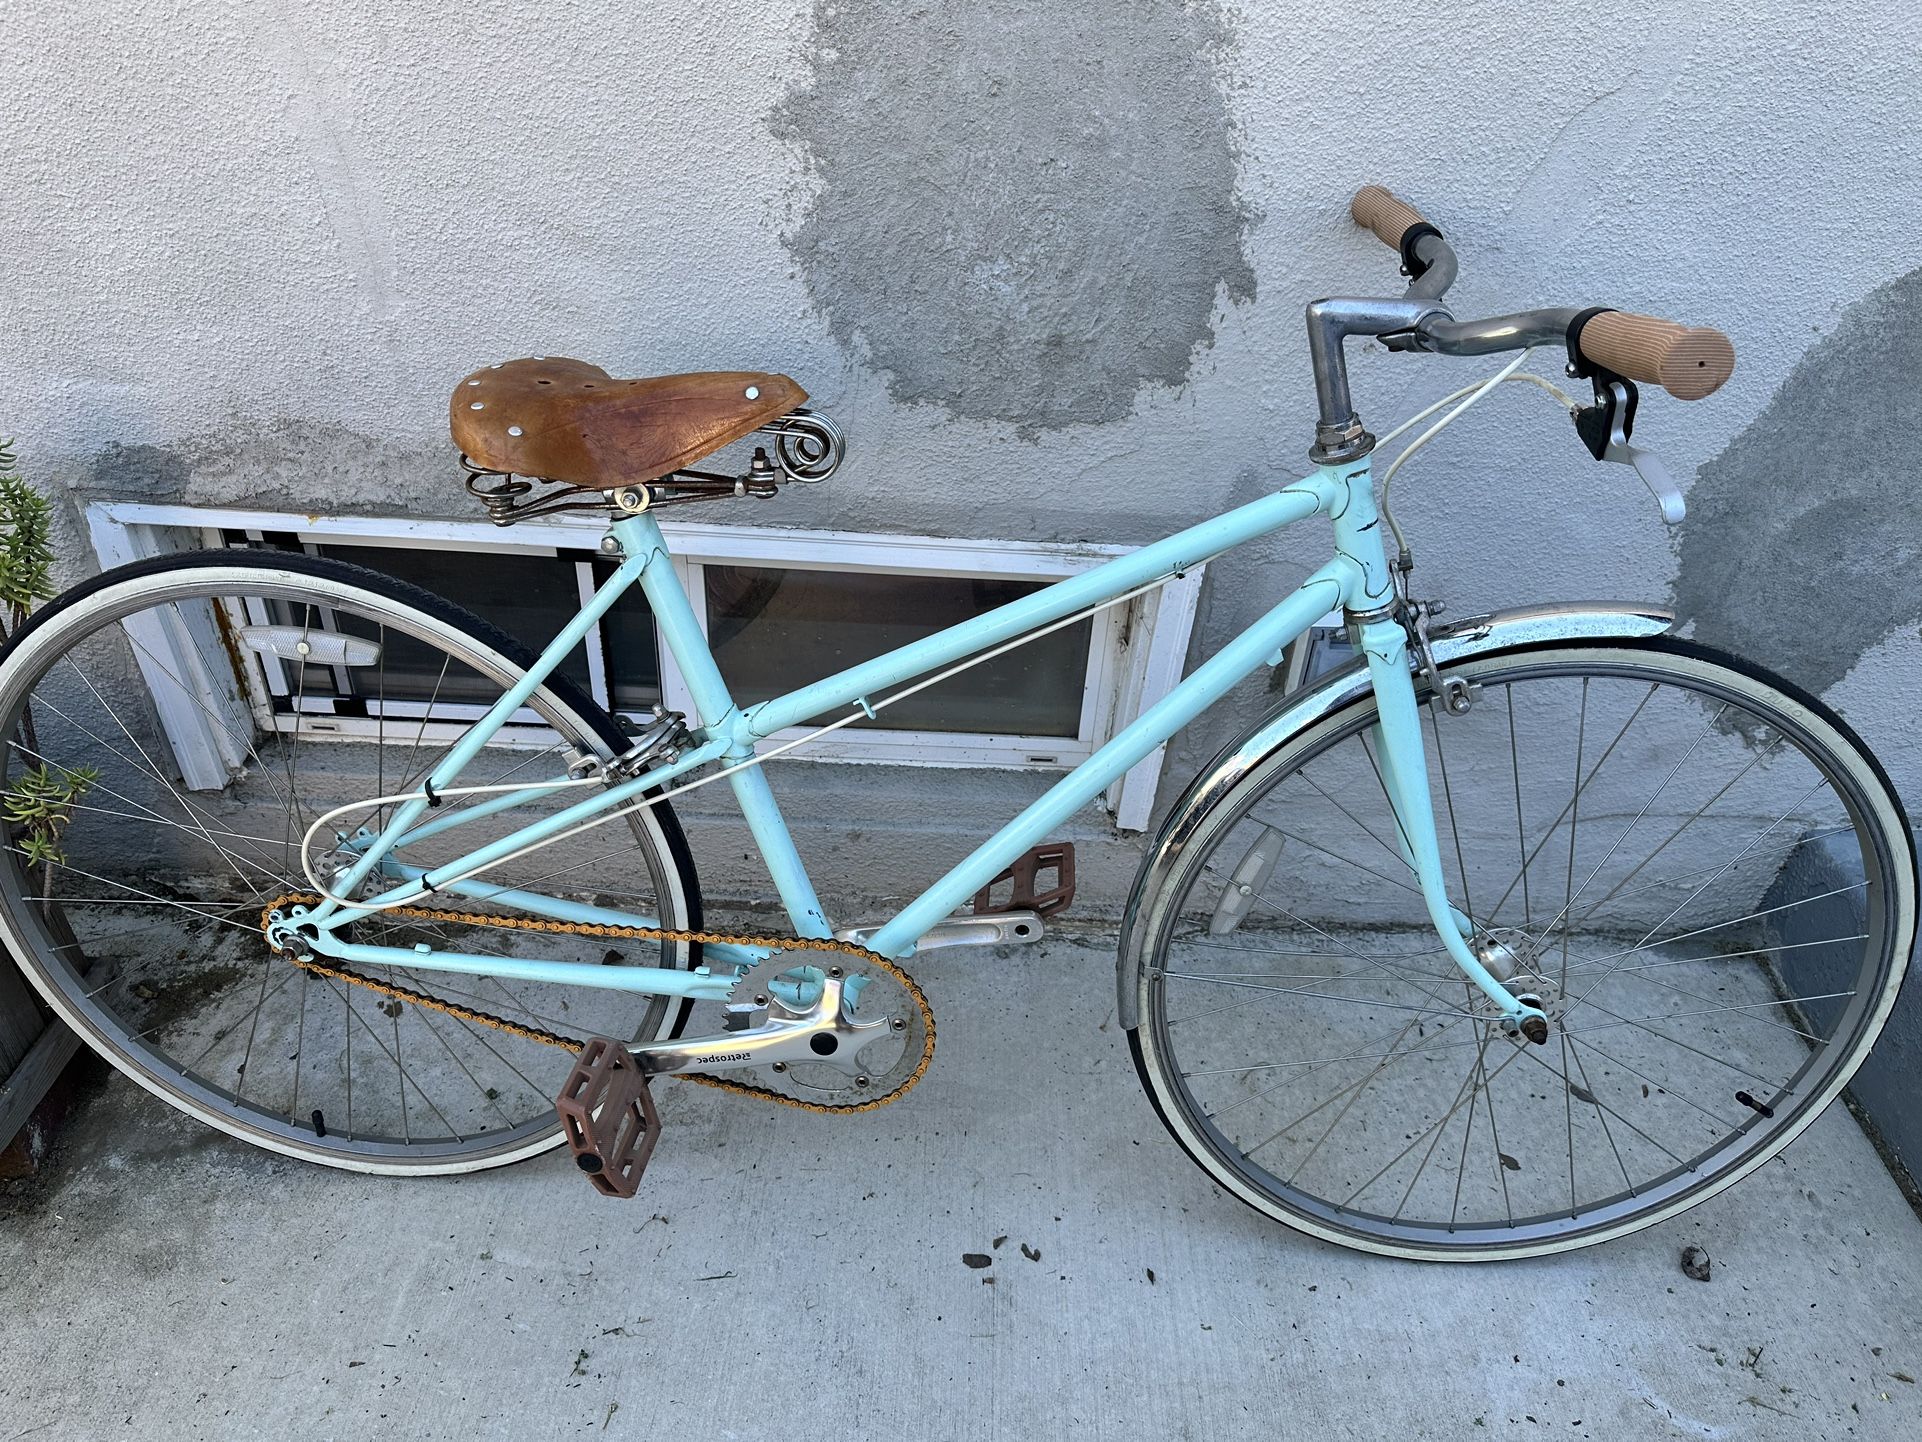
[(1167, 558)]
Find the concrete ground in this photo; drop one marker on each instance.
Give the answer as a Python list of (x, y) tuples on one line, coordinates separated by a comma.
[(785, 1274)]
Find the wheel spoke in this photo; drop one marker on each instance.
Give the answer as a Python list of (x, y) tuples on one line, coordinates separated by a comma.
[(143, 907), (1582, 784), (1684, 1040)]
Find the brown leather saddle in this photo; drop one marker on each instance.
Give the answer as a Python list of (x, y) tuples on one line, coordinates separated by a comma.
[(566, 420)]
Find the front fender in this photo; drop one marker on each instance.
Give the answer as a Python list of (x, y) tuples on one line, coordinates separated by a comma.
[(1470, 636)]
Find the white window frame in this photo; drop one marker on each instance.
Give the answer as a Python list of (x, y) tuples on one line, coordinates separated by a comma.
[(1136, 650)]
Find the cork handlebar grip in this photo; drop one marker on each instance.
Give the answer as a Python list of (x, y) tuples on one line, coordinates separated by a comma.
[(1389, 217), (1688, 361)]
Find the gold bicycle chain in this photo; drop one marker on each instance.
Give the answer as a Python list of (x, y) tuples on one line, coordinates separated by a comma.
[(638, 933)]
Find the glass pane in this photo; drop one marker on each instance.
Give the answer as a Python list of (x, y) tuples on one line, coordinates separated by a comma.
[(529, 597), (773, 630), (633, 654)]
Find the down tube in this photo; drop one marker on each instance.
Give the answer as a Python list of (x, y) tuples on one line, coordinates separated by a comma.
[(1322, 592)]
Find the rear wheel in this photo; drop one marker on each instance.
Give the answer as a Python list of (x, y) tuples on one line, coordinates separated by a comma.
[(174, 728), (1697, 870)]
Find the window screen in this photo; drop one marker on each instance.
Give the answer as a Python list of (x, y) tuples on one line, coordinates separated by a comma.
[(529, 597)]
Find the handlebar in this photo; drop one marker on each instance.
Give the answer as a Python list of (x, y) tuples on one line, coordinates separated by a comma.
[(1690, 362), (1426, 257), (1389, 216)]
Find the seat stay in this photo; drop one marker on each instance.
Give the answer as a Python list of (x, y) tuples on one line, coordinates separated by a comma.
[(446, 772)]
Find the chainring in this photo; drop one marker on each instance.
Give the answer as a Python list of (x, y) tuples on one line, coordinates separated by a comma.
[(884, 1067)]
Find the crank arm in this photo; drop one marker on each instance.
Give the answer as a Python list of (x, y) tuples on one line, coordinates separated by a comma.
[(821, 1033), (964, 928)]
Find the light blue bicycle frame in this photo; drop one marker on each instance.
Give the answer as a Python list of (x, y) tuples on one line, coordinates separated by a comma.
[(1357, 580)]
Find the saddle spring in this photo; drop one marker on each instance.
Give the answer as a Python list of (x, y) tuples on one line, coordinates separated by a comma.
[(807, 449)]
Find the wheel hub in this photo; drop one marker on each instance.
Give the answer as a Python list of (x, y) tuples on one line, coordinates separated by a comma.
[(1513, 958), (1506, 951), (1541, 992)]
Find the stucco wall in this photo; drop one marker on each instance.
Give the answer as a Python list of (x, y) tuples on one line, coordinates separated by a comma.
[(1045, 263)]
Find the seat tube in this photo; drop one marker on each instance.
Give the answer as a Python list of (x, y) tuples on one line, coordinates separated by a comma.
[(675, 619), (714, 707)]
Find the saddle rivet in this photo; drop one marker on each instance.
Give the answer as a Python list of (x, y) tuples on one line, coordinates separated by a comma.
[(478, 406), (753, 393), (473, 383), (513, 430)]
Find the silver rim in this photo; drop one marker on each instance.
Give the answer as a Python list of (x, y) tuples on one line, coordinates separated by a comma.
[(143, 933), (1705, 877)]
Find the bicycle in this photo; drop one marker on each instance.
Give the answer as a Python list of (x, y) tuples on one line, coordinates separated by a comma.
[(1580, 921)]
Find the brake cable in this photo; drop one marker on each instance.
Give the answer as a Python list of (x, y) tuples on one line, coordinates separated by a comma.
[(1474, 392)]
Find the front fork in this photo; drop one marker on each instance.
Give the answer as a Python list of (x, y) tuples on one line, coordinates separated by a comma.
[(1396, 739)]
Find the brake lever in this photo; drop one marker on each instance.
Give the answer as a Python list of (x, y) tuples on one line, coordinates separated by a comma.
[(1605, 428), (1654, 474)]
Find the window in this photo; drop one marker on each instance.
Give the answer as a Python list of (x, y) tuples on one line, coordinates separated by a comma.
[(768, 625), (780, 608), (530, 593)]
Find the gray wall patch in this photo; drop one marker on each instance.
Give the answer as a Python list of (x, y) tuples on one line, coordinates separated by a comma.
[(1021, 211), (1803, 536)]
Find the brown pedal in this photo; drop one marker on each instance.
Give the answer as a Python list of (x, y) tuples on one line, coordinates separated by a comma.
[(1025, 893), (609, 1117)]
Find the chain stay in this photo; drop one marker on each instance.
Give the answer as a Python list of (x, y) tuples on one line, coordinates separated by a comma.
[(638, 933)]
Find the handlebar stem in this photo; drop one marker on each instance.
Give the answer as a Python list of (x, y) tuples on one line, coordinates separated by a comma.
[(1416, 322), (1339, 436)]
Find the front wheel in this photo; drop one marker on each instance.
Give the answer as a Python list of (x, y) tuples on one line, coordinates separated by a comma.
[(1695, 868), (174, 727)]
